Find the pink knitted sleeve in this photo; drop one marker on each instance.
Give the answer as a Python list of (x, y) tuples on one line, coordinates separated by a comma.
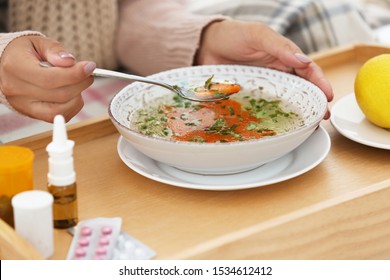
[(158, 35), (5, 39)]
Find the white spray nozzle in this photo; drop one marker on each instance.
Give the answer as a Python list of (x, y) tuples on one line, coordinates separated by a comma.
[(61, 170), (59, 130), (60, 143)]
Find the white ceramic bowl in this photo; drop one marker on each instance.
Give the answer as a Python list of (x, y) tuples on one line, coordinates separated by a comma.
[(221, 158)]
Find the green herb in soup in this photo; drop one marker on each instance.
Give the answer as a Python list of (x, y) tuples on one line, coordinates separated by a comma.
[(239, 119)]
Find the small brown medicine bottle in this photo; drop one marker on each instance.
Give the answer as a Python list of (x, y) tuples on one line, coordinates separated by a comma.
[(62, 177)]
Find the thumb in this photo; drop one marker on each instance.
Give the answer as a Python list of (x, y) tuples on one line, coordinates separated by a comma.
[(53, 52)]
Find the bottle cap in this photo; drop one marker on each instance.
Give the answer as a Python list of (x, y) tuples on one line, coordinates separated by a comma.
[(61, 170), (33, 216)]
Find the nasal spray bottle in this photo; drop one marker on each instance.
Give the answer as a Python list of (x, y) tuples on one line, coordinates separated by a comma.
[(62, 177)]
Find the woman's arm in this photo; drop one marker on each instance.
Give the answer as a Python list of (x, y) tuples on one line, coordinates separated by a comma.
[(158, 35)]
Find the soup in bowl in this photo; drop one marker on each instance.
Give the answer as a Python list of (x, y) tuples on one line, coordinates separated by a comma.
[(272, 114)]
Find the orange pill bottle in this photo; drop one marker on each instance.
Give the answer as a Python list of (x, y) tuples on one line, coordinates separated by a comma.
[(16, 175)]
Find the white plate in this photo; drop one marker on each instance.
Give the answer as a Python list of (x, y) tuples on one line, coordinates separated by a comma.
[(350, 121), (302, 159)]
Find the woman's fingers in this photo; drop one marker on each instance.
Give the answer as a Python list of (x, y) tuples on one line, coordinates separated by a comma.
[(50, 50), (43, 92), (51, 78), (54, 95), (57, 77), (46, 111), (314, 74)]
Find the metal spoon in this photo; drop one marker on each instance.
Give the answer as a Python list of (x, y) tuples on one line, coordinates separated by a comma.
[(184, 93)]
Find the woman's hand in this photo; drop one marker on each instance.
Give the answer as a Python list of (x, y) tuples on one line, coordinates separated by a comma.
[(238, 42), (39, 92)]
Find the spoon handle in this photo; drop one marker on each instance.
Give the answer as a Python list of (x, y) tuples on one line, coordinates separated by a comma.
[(98, 72), (184, 93), (114, 74)]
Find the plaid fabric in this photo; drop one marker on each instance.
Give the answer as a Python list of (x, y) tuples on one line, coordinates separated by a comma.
[(376, 11), (314, 25)]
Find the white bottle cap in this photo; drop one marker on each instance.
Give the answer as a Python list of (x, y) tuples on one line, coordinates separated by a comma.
[(33, 219), (61, 170)]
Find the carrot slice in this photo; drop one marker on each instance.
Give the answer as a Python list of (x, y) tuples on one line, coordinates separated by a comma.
[(225, 88), (218, 88)]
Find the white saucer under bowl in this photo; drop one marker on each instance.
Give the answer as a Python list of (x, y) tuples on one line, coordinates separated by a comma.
[(350, 121), (304, 158)]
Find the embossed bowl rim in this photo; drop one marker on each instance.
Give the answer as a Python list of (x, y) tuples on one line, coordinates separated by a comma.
[(199, 73)]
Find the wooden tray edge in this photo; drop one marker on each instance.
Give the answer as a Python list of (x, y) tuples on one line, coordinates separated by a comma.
[(14, 247), (343, 54), (80, 132)]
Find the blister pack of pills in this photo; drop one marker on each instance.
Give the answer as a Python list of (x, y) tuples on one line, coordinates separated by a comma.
[(95, 239), (101, 239), (129, 248)]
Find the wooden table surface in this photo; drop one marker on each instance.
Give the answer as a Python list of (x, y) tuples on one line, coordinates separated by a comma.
[(338, 210)]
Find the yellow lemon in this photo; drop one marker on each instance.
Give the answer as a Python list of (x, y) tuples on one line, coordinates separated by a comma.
[(372, 90)]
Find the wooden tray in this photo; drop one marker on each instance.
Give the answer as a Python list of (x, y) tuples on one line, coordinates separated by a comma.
[(338, 210)]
